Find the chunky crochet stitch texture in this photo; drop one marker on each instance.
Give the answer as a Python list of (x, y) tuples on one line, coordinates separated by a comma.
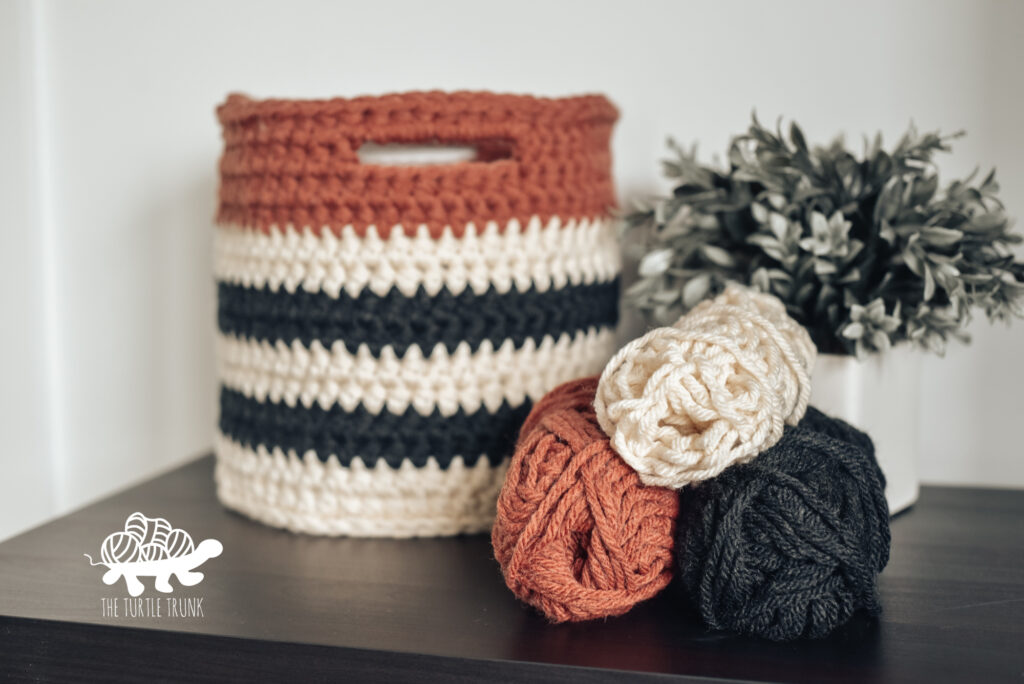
[(384, 330), (790, 544), (683, 403), (289, 162), (577, 535)]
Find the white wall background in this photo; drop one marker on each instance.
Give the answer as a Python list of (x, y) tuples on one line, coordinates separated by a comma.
[(108, 150)]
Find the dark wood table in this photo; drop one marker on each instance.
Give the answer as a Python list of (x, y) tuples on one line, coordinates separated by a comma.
[(283, 607)]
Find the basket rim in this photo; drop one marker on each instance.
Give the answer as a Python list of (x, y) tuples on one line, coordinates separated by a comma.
[(582, 108)]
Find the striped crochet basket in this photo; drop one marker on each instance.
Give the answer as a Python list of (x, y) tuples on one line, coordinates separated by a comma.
[(383, 330)]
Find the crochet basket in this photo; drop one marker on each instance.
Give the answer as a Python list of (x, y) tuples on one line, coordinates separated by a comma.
[(384, 330)]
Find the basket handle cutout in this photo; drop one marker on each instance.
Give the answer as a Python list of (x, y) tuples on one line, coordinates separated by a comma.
[(433, 152)]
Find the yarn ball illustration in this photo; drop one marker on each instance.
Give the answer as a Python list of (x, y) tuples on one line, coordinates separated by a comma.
[(137, 525), (120, 547), (683, 403), (179, 543), (790, 544), (158, 532), (154, 552), (148, 530), (578, 536), (146, 539)]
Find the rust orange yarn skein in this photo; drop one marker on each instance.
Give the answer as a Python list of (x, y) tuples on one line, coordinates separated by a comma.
[(577, 535)]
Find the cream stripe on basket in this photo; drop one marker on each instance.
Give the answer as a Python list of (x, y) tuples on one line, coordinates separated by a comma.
[(536, 255), (305, 494), (294, 374)]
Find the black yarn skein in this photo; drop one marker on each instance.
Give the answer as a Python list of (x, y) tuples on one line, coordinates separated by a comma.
[(790, 544)]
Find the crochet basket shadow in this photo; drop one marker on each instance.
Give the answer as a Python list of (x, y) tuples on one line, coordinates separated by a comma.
[(577, 535), (790, 544)]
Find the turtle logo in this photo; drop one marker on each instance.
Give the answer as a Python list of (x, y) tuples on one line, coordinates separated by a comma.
[(150, 547)]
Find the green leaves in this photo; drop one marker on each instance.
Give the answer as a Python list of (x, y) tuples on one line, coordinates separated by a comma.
[(866, 251), (829, 237), (655, 263), (941, 237), (870, 328)]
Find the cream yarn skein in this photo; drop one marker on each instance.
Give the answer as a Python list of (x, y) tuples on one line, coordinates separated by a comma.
[(683, 403)]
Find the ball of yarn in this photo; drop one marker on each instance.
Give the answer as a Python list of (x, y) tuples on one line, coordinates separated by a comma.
[(179, 543), (818, 422), (153, 539), (790, 544), (137, 525), (578, 536), (120, 547), (157, 532), (738, 306), (683, 403), (154, 552)]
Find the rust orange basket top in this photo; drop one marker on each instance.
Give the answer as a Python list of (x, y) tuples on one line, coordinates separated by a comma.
[(296, 162)]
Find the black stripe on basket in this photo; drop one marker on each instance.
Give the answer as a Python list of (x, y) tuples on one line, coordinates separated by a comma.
[(401, 321), (385, 436)]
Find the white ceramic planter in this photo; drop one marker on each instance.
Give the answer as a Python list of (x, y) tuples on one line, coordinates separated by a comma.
[(881, 396)]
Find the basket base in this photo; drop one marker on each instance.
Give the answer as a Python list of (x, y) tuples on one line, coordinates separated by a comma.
[(307, 495)]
